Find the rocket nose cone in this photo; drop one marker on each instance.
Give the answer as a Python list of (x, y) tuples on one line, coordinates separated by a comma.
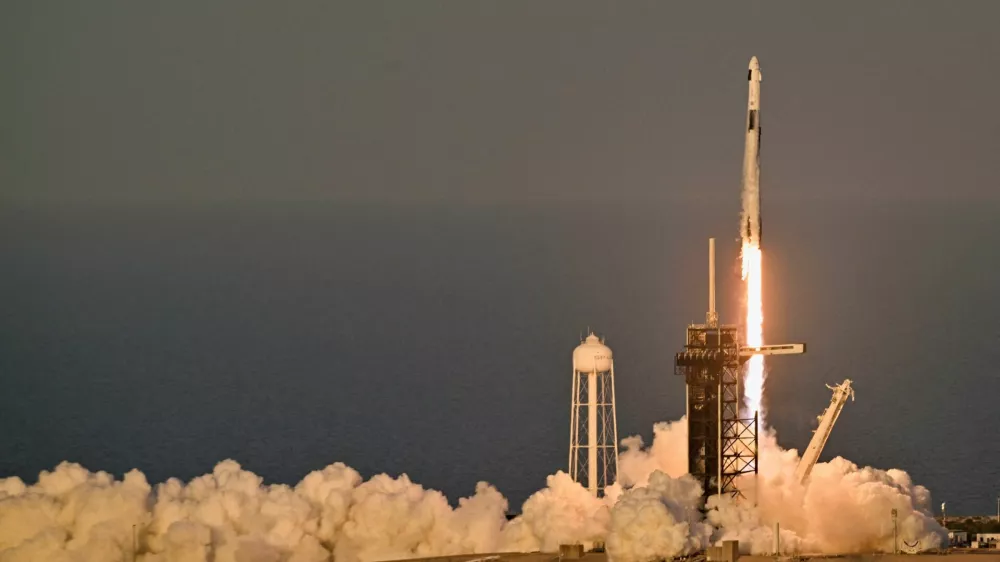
[(754, 65)]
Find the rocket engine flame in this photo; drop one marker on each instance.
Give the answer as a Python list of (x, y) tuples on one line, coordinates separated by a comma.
[(753, 379)]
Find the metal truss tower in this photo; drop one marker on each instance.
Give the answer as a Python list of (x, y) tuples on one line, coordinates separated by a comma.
[(593, 462), (722, 443)]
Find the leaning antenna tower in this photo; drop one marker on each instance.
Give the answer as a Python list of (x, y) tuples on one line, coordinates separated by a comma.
[(593, 430)]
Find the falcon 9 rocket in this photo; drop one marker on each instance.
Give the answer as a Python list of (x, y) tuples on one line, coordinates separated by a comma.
[(751, 228)]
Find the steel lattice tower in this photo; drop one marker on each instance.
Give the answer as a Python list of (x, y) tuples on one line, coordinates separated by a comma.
[(593, 462), (722, 445), (722, 441)]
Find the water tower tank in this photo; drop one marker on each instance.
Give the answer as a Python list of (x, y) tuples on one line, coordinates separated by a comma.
[(593, 433), (591, 356)]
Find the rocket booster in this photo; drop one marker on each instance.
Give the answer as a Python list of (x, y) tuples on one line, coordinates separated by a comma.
[(751, 224)]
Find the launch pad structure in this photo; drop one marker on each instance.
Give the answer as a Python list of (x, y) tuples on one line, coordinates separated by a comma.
[(722, 433), (722, 436)]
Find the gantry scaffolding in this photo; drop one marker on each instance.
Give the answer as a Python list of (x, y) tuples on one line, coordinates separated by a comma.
[(722, 445), (722, 442)]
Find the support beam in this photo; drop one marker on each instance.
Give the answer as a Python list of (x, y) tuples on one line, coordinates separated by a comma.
[(780, 349)]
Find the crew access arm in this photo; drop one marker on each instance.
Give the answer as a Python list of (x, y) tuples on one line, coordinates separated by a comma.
[(840, 394)]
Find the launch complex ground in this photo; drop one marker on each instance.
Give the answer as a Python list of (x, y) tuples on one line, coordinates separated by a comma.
[(950, 555)]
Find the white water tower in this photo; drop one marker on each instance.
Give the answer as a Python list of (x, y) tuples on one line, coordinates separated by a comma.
[(593, 430)]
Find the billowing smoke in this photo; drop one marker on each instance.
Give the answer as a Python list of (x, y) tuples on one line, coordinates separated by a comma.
[(658, 521), (842, 508), (230, 515), (668, 454)]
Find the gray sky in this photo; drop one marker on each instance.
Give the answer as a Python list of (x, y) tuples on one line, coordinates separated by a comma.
[(483, 102)]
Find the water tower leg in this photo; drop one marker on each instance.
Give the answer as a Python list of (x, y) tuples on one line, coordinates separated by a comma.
[(592, 432)]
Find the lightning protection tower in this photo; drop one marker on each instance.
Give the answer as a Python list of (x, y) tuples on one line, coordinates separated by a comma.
[(593, 430)]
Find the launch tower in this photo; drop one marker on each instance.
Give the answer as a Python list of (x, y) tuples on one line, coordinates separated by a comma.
[(593, 462), (722, 442)]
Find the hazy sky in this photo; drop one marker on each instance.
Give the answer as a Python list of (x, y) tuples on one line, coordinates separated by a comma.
[(488, 101)]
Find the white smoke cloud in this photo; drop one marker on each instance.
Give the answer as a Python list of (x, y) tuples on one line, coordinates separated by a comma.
[(668, 454), (564, 512), (70, 514), (842, 508), (658, 521), (230, 515)]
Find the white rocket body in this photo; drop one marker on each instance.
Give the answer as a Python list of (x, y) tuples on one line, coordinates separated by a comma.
[(751, 226)]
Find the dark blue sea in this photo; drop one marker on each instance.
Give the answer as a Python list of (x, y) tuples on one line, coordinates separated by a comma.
[(435, 340)]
